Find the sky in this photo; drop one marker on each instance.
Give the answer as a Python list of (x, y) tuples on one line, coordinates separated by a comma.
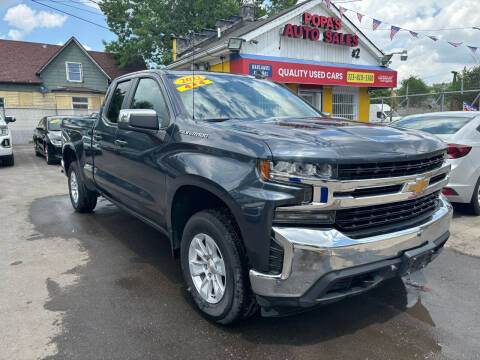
[(29, 20)]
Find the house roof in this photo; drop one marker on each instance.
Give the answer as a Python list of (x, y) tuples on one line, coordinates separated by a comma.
[(21, 61)]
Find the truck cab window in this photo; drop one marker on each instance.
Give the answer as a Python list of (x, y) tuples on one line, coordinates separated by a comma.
[(149, 96), (117, 100)]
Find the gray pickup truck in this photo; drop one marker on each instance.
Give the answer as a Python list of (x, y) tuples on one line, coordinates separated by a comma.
[(268, 202)]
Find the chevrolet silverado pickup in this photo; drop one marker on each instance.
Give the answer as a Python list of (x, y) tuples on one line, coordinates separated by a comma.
[(268, 202)]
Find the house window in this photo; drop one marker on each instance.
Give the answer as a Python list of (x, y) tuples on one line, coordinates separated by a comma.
[(74, 72), (80, 102)]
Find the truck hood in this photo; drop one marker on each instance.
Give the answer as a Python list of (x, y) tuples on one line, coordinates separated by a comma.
[(336, 140)]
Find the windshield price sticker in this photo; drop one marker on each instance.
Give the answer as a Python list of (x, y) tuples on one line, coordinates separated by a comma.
[(191, 82), (54, 121), (360, 77)]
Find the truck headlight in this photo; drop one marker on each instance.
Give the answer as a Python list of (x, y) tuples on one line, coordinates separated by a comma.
[(294, 171)]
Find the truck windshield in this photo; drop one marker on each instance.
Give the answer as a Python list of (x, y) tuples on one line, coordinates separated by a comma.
[(221, 97), (434, 124)]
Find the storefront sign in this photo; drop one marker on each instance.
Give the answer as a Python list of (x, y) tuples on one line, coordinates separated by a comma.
[(310, 29), (287, 71), (265, 70)]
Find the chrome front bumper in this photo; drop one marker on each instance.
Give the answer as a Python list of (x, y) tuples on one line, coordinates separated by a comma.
[(309, 254)]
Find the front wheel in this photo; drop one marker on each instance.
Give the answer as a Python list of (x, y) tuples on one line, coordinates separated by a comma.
[(48, 156), (214, 267), (82, 199)]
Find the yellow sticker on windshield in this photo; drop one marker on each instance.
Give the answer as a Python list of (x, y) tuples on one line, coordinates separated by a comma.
[(54, 121), (191, 82)]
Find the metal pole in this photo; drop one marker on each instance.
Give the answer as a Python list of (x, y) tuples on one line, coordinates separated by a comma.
[(443, 97), (382, 119), (391, 104), (461, 86), (408, 98)]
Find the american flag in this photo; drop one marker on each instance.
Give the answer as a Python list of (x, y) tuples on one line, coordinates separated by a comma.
[(473, 49), (414, 34), (359, 16), (434, 38), (468, 107), (376, 23), (328, 3), (342, 11), (455, 44), (393, 31)]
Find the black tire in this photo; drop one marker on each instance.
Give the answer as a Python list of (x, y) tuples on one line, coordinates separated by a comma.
[(10, 161), (474, 205), (238, 301), (48, 156), (86, 199), (35, 146)]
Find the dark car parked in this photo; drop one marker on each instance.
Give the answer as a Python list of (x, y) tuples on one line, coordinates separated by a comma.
[(47, 139)]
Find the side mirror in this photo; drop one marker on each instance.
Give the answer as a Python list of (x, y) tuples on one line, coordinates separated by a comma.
[(10, 119), (138, 119)]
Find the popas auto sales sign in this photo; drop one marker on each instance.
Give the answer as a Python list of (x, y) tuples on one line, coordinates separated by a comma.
[(310, 29)]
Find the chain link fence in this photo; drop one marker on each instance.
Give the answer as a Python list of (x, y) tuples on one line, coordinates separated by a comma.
[(28, 118), (410, 104)]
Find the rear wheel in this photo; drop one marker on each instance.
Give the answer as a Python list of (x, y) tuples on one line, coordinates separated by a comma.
[(214, 267), (82, 199), (475, 202)]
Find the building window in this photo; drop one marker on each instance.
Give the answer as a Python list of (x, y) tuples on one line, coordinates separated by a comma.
[(80, 102), (74, 72), (2, 102), (345, 103)]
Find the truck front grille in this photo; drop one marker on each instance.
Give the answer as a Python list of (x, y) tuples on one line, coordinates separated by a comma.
[(380, 219), (389, 169)]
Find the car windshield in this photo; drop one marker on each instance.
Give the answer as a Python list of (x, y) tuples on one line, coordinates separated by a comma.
[(434, 124), (222, 97), (54, 124)]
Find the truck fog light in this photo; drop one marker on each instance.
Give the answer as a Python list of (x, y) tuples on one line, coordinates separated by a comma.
[(310, 217)]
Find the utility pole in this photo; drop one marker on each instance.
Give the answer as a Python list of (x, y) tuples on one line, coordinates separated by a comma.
[(443, 97), (408, 98)]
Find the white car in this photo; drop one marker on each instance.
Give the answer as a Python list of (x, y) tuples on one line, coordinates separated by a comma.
[(461, 131), (6, 146)]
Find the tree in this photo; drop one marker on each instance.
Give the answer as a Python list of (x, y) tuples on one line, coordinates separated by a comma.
[(145, 27), (275, 6), (415, 86)]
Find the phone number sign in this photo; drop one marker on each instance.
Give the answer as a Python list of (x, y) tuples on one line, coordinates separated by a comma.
[(360, 77)]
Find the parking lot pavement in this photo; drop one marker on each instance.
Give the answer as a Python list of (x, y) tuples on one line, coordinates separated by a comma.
[(104, 286)]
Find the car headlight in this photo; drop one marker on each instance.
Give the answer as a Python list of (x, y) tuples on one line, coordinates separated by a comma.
[(55, 140), (3, 130), (293, 171)]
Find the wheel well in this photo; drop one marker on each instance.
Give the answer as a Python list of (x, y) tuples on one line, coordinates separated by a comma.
[(68, 157), (187, 201)]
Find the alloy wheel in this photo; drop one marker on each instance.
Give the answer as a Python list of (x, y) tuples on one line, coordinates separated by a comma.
[(207, 268), (74, 187)]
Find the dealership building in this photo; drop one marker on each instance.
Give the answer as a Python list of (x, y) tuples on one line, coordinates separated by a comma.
[(310, 47)]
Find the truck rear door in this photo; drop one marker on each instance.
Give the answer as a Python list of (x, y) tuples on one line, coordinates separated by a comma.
[(106, 158)]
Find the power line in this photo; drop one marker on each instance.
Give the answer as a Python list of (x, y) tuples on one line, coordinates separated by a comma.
[(74, 7), (67, 13)]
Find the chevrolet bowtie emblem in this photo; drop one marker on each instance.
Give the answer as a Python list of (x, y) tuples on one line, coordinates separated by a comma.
[(419, 186)]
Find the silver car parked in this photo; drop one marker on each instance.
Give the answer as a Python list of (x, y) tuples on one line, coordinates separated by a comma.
[(461, 131)]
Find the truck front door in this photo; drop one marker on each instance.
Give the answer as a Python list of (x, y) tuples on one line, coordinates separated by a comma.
[(141, 166)]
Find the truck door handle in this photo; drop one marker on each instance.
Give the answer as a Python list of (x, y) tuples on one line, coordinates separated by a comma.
[(97, 137), (120, 143)]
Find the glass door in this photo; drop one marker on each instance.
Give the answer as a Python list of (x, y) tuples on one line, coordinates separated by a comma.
[(312, 97)]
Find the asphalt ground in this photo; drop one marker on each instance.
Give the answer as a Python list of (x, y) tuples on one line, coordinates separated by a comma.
[(104, 286)]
